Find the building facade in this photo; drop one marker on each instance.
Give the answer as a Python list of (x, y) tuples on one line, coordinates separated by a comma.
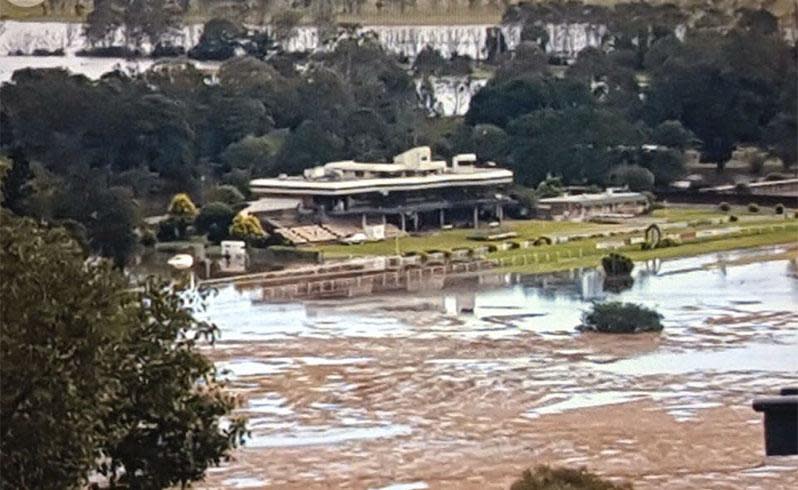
[(412, 193), (580, 207)]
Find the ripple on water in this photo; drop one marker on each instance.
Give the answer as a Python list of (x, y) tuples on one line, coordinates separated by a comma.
[(418, 485), (779, 358), (318, 436), (244, 367), (582, 400), (244, 483)]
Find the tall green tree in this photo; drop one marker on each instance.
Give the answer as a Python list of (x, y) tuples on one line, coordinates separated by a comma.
[(214, 220), (139, 21), (99, 376), (109, 215)]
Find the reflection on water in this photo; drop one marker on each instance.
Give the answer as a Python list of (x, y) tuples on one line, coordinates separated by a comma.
[(753, 357), (420, 375)]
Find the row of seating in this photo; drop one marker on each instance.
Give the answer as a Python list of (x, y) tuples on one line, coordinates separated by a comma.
[(299, 235)]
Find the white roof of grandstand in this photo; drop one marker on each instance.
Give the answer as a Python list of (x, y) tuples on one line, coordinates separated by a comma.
[(383, 167), (293, 185)]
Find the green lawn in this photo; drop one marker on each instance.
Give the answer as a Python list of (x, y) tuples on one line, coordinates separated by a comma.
[(460, 238), (693, 213), (584, 253)]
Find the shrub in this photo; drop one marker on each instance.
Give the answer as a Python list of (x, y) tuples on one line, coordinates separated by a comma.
[(753, 207), (246, 227), (547, 478), (742, 188), (617, 317), (214, 220), (148, 238), (779, 209), (182, 206), (668, 242), (551, 187), (169, 230), (227, 194), (733, 219), (725, 207), (633, 176), (617, 265)]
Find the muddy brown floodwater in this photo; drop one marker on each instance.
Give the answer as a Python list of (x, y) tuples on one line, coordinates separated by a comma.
[(467, 386)]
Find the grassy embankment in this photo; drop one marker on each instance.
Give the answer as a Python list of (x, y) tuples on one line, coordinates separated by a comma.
[(757, 229)]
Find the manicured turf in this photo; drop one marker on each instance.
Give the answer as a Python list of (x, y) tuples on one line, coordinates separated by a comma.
[(451, 239), (697, 217), (692, 213), (584, 253)]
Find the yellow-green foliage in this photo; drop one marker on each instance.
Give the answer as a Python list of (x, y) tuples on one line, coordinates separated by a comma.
[(246, 227), (182, 206)]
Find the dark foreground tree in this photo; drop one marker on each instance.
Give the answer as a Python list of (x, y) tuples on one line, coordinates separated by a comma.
[(99, 376)]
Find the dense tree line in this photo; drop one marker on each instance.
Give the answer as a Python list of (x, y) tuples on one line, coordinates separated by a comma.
[(599, 122), (96, 155), (102, 153)]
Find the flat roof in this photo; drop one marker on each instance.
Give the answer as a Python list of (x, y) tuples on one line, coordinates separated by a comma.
[(301, 186), (607, 198), (267, 204), (353, 166)]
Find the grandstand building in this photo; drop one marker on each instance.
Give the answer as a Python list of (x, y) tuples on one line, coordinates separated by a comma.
[(414, 192)]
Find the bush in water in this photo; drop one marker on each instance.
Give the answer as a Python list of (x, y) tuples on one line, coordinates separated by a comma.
[(617, 265), (547, 478), (617, 317)]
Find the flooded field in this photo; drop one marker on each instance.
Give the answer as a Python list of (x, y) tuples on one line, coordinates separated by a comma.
[(465, 387)]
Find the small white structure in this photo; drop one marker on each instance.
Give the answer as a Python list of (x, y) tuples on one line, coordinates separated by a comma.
[(234, 256), (181, 261), (233, 248)]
